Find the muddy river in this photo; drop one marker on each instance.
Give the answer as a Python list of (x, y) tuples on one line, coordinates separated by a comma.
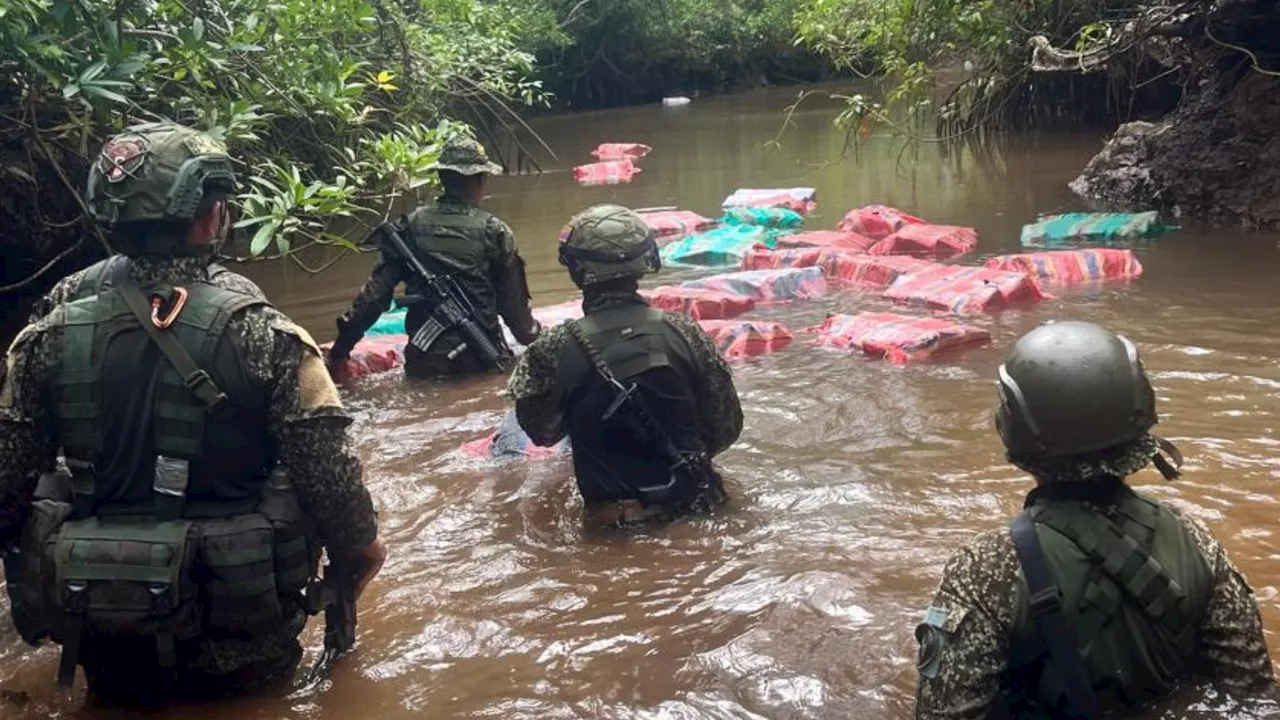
[(854, 480)]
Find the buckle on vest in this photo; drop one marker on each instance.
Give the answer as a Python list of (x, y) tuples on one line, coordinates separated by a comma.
[(1046, 601), (201, 385), (179, 302)]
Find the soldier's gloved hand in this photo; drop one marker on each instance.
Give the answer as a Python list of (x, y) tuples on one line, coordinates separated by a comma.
[(335, 360), (371, 559)]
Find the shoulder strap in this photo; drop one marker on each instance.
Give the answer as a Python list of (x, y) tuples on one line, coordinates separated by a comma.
[(1047, 618)]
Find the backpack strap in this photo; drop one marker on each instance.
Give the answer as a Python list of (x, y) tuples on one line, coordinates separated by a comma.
[(1048, 620)]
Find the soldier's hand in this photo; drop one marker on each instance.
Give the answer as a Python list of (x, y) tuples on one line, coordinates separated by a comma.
[(335, 363), (371, 559)]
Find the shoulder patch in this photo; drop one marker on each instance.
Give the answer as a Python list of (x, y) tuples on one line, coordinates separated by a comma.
[(315, 388)]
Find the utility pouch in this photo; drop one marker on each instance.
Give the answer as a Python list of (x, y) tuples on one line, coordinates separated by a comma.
[(29, 569), (238, 561), (296, 554)]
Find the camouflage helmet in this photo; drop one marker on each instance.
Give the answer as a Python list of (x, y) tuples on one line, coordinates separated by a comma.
[(157, 172), (1070, 389), (465, 156), (607, 242)]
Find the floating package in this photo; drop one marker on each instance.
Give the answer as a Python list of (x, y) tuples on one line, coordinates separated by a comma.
[(767, 286), (963, 290), (839, 266), (510, 441), (802, 200), (736, 339), (877, 221), (1072, 267), (372, 355), (610, 172), (928, 241), (898, 338), (698, 304), (770, 217), (829, 239), (1093, 227), (620, 151), (389, 323), (672, 224), (723, 246)]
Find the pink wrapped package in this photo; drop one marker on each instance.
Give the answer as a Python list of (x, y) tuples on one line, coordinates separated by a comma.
[(610, 172), (742, 338), (898, 338), (928, 241), (767, 286), (876, 221), (826, 239), (963, 290), (620, 151)]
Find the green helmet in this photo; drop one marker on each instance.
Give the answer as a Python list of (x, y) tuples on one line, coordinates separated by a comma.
[(1072, 388), (465, 156), (607, 242), (157, 172)]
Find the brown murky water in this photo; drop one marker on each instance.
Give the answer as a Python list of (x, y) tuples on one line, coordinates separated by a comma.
[(854, 480)]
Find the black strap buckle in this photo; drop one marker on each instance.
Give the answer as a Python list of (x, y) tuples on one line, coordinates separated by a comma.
[(201, 385), (1048, 600)]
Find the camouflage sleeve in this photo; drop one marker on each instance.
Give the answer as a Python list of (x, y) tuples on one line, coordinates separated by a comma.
[(512, 285), (26, 439), (537, 395), (309, 426), (1233, 648), (719, 410), (58, 294), (373, 300), (964, 639)]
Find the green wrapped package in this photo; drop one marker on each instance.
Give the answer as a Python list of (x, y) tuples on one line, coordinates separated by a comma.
[(390, 322), (769, 217), (723, 246), (1093, 227)]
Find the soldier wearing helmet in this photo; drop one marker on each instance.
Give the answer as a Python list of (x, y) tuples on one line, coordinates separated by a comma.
[(1097, 598), (638, 391), (456, 238), (171, 556)]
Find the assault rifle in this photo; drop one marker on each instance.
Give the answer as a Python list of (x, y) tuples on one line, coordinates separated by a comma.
[(450, 306), (338, 593)]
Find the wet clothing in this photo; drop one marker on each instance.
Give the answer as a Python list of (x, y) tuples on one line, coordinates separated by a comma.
[(479, 251), (690, 394), (978, 645), (289, 413)]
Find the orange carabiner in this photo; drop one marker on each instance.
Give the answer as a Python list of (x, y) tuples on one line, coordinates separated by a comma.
[(179, 302)]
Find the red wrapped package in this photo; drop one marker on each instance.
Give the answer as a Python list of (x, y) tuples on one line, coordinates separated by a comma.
[(963, 290), (877, 221), (676, 223), (698, 304), (372, 355), (826, 239), (928, 241), (898, 338), (871, 272), (801, 200), (1072, 267), (767, 286), (509, 441), (620, 151), (737, 339), (610, 172)]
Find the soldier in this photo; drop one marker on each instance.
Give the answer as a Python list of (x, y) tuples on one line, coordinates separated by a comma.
[(457, 238), (174, 563), (643, 395), (1098, 598)]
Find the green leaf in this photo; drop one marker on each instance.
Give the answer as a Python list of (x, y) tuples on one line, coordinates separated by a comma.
[(98, 91), (262, 238), (197, 29)]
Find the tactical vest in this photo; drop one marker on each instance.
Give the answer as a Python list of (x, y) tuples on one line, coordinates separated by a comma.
[(1134, 590), (612, 462), (166, 567), (452, 239)]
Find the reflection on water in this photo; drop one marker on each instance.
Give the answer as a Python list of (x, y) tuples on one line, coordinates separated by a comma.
[(854, 480)]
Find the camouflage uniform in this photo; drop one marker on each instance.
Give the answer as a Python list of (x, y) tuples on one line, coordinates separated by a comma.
[(306, 426)]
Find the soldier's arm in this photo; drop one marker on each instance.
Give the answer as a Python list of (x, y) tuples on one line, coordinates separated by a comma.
[(373, 300), (26, 440), (309, 426), (1233, 649), (58, 294), (537, 393), (512, 285), (964, 640), (719, 410)]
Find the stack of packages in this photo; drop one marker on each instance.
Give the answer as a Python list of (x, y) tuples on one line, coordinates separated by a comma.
[(616, 164)]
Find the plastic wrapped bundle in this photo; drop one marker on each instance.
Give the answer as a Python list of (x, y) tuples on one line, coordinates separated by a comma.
[(552, 315), (928, 241), (724, 246), (828, 239), (390, 322), (372, 355), (698, 304), (963, 290), (898, 338), (610, 172), (770, 217), (802, 200), (767, 286), (1072, 267), (877, 221), (672, 224), (510, 441), (620, 151), (1093, 227), (743, 338), (839, 266)]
